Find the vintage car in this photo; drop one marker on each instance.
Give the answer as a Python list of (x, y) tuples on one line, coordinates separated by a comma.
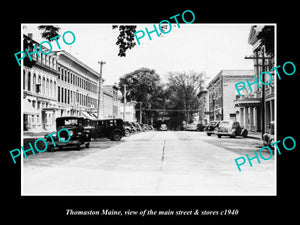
[(108, 128), (210, 128), (163, 127), (76, 127), (231, 129), (128, 127), (191, 127), (268, 137)]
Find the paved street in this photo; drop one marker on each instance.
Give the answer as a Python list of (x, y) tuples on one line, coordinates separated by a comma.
[(152, 163)]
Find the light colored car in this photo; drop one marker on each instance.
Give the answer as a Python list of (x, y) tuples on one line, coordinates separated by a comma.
[(231, 129), (163, 127), (268, 137), (191, 127)]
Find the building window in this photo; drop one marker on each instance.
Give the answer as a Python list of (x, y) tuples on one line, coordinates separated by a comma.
[(58, 93), (62, 94), (24, 75), (38, 89), (68, 96), (54, 89), (28, 81), (51, 90), (47, 87)]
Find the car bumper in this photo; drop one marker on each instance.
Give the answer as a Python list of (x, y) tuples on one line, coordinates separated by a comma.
[(71, 142)]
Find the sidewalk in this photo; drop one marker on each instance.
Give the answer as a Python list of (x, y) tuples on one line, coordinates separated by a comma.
[(254, 135)]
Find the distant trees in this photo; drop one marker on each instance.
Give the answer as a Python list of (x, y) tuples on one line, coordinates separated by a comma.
[(176, 100), (182, 90), (143, 85)]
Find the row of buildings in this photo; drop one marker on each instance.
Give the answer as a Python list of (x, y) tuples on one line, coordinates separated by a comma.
[(220, 100), (59, 84)]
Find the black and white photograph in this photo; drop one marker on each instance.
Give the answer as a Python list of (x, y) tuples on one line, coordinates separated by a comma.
[(131, 114), (159, 117)]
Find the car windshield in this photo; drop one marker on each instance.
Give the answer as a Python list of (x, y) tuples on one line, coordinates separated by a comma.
[(68, 122)]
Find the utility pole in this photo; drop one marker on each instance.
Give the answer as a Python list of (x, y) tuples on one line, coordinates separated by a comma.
[(100, 92), (141, 111), (263, 58), (125, 101)]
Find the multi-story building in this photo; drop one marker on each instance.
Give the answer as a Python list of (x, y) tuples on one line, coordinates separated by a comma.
[(77, 86), (222, 93), (110, 101), (39, 88), (250, 104)]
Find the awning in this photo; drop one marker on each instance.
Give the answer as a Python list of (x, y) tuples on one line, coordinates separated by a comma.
[(87, 115), (247, 102)]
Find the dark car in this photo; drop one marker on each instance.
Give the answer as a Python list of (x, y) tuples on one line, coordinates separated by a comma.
[(231, 129), (200, 127), (128, 127), (210, 128), (268, 137), (76, 127), (108, 128)]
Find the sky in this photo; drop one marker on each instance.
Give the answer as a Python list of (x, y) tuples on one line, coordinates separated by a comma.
[(207, 48)]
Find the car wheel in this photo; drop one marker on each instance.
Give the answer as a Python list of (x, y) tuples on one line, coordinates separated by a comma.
[(78, 146), (127, 132), (245, 133), (87, 145), (219, 135), (208, 134), (116, 136)]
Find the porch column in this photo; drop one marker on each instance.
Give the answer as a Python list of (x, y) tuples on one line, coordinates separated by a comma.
[(271, 111), (255, 118), (242, 116), (246, 117), (251, 118)]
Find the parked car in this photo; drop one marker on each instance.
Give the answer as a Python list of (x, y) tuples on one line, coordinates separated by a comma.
[(76, 127), (210, 128), (231, 129), (200, 127), (108, 128), (268, 137), (191, 127), (137, 126), (163, 127), (129, 128)]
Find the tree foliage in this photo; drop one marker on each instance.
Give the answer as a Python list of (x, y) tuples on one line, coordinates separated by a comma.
[(125, 40), (267, 39), (143, 85), (182, 89), (49, 31)]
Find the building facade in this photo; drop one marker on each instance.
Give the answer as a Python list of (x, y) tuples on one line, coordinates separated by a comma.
[(77, 87), (110, 102), (250, 106), (59, 84), (222, 93), (39, 89)]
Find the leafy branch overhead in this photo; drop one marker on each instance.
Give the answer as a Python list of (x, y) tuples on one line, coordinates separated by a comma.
[(49, 31), (125, 39)]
